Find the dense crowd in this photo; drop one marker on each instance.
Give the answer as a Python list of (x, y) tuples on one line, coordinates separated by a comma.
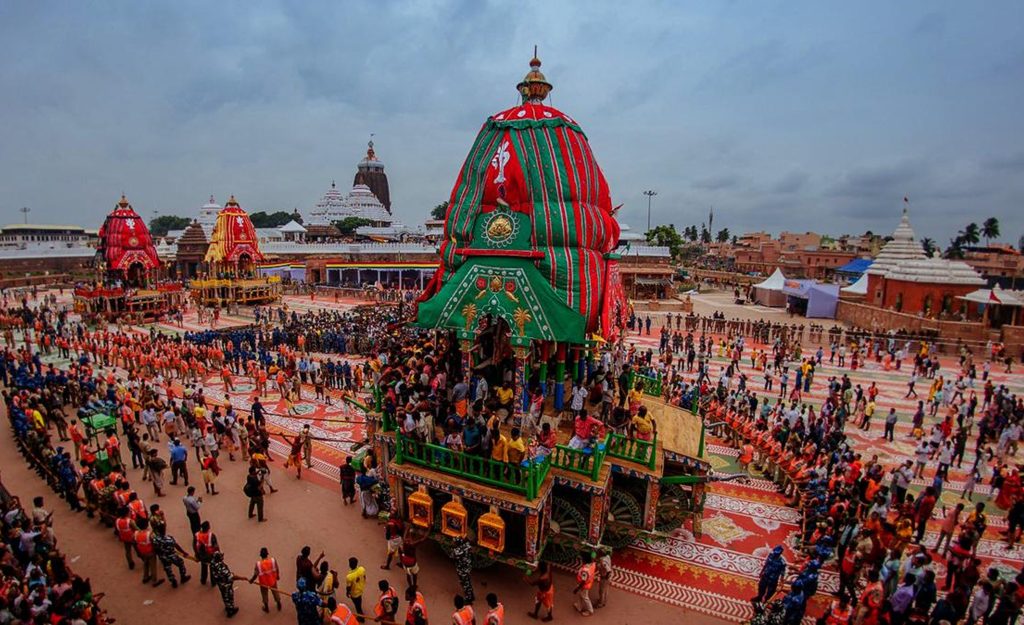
[(861, 512), (37, 584)]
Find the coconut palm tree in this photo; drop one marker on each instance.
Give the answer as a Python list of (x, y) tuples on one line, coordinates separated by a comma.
[(970, 235), (990, 229), (929, 246), (955, 249)]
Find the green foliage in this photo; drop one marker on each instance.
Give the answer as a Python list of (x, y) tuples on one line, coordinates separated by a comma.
[(666, 236), (956, 248), (159, 226), (262, 219), (929, 246), (990, 229), (439, 211), (722, 236), (970, 235), (348, 225), (705, 234)]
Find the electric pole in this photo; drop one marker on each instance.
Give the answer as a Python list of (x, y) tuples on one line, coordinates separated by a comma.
[(650, 195)]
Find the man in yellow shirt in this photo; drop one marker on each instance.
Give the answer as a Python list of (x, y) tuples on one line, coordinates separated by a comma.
[(355, 584), (504, 394), (643, 425), (499, 445), (515, 448)]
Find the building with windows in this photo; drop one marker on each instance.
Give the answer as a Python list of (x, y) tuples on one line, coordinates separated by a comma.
[(46, 236)]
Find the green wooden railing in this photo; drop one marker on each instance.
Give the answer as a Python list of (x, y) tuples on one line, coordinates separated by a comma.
[(525, 480), (578, 461), (634, 449), (652, 385)]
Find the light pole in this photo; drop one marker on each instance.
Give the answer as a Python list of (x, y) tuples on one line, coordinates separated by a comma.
[(24, 211), (650, 193)]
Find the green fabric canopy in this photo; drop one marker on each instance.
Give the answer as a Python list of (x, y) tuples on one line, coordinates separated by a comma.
[(510, 288)]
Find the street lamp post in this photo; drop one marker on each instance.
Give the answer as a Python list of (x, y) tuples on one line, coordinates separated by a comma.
[(24, 210), (650, 193)]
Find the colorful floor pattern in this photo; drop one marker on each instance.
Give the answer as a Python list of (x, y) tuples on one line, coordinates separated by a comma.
[(717, 573)]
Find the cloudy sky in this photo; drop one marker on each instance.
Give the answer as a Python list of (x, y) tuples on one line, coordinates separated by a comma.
[(782, 115)]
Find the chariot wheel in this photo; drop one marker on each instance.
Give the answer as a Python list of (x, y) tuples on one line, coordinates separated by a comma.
[(673, 505), (623, 510), (568, 528)]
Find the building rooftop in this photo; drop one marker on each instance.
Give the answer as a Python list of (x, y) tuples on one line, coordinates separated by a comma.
[(44, 227), (934, 271), (902, 248)]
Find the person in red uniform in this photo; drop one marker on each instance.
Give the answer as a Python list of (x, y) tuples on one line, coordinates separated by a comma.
[(144, 548), (124, 528)]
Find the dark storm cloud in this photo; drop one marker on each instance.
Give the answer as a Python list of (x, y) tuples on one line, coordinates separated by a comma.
[(780, 115)]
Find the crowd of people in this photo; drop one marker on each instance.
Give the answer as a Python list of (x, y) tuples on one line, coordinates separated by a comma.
[(860, 513), (152, 385), (37, 584)]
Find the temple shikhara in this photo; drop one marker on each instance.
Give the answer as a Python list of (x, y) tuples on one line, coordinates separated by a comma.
[(129, 275), (530, 234), (528, 284), (126, 248), (232, 260)]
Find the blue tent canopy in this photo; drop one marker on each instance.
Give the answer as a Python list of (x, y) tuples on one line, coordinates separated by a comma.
[(855, 267)]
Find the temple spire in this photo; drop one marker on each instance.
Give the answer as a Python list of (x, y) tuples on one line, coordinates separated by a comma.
[(534, 86)]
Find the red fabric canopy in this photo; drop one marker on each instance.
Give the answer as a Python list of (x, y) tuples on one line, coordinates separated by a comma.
[(125, 239)]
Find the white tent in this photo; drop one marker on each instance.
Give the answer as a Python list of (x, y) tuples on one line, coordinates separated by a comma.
[(774, 282), (769, 292), (860, 287)]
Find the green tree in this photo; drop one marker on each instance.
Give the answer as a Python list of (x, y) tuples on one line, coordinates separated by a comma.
[(666, 236), (970, 235), (262, 219), (159, 226), (929, 246), (722, 236), (705, 234), (440, 211), (990, 229), (955, 249), (348, 225)]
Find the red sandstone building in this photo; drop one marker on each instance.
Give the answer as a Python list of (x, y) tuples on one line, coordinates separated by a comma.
[(904, 279)]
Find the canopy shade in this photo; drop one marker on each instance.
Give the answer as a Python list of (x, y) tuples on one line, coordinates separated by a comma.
[(856, 266), (822, 299), (997, 296), (860, 287), (510, 288), (774, 281)]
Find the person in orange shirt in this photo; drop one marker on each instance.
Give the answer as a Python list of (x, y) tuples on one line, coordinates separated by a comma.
[(463, 614), (387, 604), (416, 611), (267, 574), (584, 581), (495, 611)]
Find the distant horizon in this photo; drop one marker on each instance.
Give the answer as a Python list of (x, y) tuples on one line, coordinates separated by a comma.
[(783, 116)]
